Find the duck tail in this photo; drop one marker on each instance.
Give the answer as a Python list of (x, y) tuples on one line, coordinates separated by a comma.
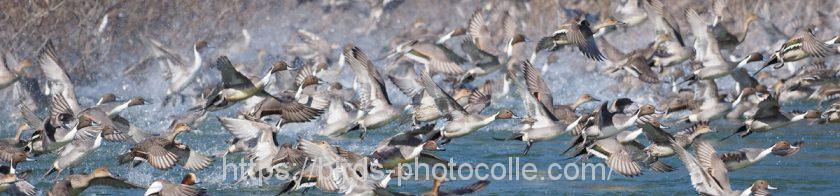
[(51, 171), (515, 136), (287, 187), (773, 60), (741, 130)]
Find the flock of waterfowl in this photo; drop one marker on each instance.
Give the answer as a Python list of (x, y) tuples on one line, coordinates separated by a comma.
[(440, 74)]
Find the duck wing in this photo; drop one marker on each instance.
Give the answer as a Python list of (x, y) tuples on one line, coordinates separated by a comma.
[(57, 79), (230, 76), (472, 188)]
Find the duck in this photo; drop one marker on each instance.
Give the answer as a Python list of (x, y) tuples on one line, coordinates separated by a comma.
[(186, 187), (664, 21), (236, 87), (9, 76), (769, 117), (353, 169), (58, 82), (461, 122), (163, 152), (712, 107), (544, 126), (422, 102), (801, 46), (179, 73), (662, 141), (77, 183), (257, 139), (567, 112), (745, 157), (632, 13), (626, 158), (62, 125), (575, 31), (439, 58), (637, 63), (405, 148), (727, 39), (287, 108), (375, 102), (14, 150), (341, 116), (746, 103), (85, 142), (12, 184), (709, 175), (708, 52)]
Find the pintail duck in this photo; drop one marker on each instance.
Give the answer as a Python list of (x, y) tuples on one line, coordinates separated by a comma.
[(422, 102), (610, 122), (236, 87), (9, 76), (637, 63), (632, 12), (404, 148), (12, 184), (342, 116), (544, 126), (663, 21), (745, 157), (831, 115), (77, 183), (769, 117), (567, 112), (58, 82), (800, 46), (461, 122), (577, 32), (62, 125), (186, 187), (437, 57), (162, 152), (662, 142), (627, 158), (14, 150), (179, 73), (709, 175), (727, 39), (85, 142), (330, 162), (746, 103), (257, 139), (708, 51), (712, 107), (288, 110), (375, 102)]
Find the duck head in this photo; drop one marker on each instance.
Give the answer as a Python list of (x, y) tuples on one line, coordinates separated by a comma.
[(754, 57), (107, 98), (506, 114), (136, 101), (432, 146), (200, 45), (181, 127), (189, 179), (646, 110), (759, 185), (744, 93), (785, 148), (279, 66), (101, 172)]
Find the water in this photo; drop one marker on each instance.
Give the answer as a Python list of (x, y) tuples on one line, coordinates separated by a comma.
[(811, 171)]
